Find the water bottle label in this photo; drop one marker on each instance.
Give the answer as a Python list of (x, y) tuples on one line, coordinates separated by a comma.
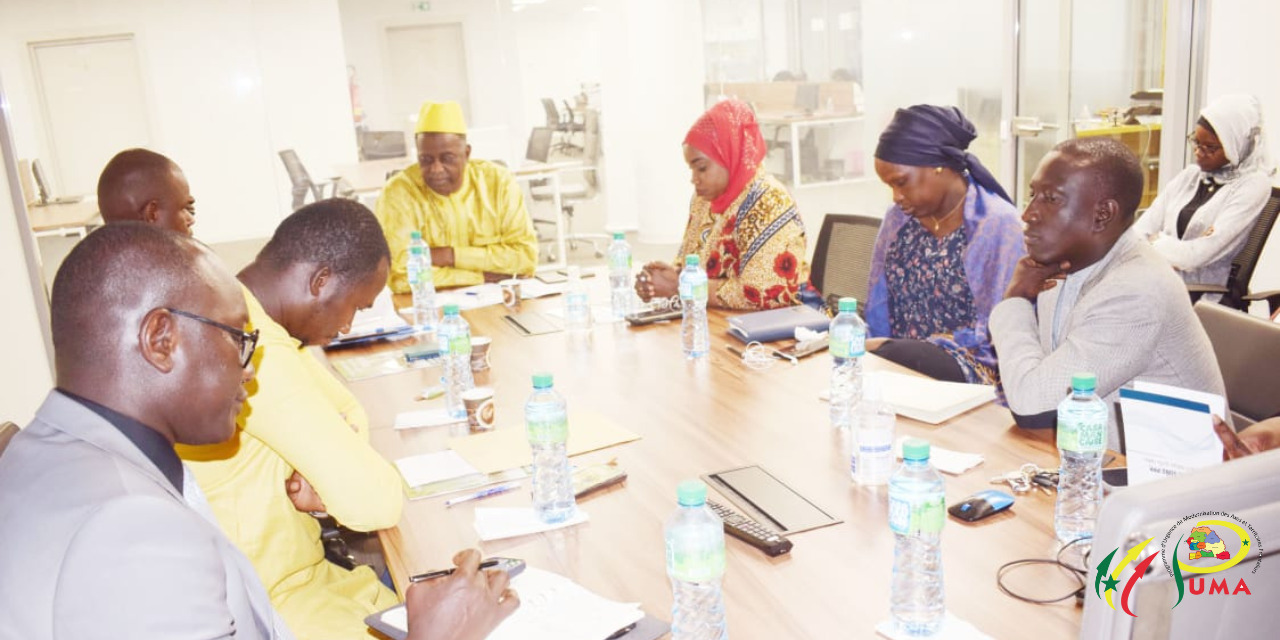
[(1085, 434), (460, 345), (414, 272), (847, 343), (924, 514), (618, 262), (696, 562), (700, 292), (548, 431)]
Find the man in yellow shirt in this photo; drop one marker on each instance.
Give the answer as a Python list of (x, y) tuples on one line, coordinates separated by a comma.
[(139, 184), (302, 428), (471, 213)]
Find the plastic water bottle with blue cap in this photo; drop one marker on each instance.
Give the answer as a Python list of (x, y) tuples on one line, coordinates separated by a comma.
[(847, 342), (454, 338), (694, 336), (546, 421), (1082, 440), (695, 563), (917, 509)]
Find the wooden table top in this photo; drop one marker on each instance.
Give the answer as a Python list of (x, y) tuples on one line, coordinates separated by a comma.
[(715, 414), (63, 215)]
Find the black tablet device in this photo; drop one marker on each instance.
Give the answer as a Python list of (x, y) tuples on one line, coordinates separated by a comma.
[(761, 496)]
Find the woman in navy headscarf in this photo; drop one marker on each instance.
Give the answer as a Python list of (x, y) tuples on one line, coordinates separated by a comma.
[(945, 252)]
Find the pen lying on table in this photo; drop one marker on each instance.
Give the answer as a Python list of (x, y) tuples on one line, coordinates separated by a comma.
[(483, 493)]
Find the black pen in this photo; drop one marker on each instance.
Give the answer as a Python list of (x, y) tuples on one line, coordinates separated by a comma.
[(431, 575)]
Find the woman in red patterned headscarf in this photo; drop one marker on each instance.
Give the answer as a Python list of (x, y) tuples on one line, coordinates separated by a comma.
[(743, 225)]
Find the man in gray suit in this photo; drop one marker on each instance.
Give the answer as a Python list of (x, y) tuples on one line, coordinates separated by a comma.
[(1089, 297), (102, 532)]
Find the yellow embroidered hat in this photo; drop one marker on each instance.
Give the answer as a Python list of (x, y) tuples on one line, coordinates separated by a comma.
[(441, 117)]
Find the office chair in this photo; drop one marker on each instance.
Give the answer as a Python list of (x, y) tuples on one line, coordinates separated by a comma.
[(539, 150), (842, 258), (562, 124), (303, 185), (1247, 348), (1236, 293), (376, 145), (7, 431), (540, 190)]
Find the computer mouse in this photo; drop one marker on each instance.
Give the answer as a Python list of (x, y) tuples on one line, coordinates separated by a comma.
[(981, 505)]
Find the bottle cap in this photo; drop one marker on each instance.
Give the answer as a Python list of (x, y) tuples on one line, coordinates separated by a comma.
[(542, 380), (415, 251), (1084, 382), (415, 235), (451, 309), (915, 449), (691, 260), (619, 235), (849, 305), (691, 493)]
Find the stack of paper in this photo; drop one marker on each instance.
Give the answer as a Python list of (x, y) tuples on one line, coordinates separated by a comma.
[(552, 607), (944, 460), (926, 399), (378, 320), (1169, 430)]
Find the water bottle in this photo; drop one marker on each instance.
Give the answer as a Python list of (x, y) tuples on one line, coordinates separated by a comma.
[(547, 425), (415, 240), (872, 461), (1082, 438), (916, 512), (577, 305), (620, 275), (695, 563), (847, 339), (454, 335), (423, 290), (693, 300)]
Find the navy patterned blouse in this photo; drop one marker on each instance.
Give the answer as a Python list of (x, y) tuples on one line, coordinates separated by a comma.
[(928, 291)]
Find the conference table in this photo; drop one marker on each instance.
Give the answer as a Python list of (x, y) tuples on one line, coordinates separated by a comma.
[(712, 414)]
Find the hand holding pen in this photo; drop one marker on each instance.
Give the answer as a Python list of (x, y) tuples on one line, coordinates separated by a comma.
[(467, 605)]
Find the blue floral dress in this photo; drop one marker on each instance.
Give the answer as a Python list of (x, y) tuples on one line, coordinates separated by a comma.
[(929, 294)]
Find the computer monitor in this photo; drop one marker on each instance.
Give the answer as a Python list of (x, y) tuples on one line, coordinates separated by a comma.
[(807, 97), (1236, 507), (43, 192)]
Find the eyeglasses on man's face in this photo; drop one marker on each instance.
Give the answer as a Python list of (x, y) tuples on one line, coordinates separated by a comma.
[(1207, 149), (247, 341)]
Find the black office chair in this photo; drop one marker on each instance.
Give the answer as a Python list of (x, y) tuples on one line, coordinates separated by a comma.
[(1236, 293), (303, 185), (842, 258), (1247, 348)]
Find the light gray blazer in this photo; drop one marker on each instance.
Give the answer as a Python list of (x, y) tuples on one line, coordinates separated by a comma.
[(1132, 320), (96, 543)]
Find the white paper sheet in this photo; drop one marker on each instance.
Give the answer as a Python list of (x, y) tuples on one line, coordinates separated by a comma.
[(926, 399), (503, 522), (944, 460), (1165, 436), (425, 418), (433, 467), (953, 628), (552, 607), (377, 319)]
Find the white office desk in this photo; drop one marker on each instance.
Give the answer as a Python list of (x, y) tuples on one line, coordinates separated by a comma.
[(63, 218)]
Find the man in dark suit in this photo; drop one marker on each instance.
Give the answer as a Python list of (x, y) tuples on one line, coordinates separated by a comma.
[(104, 533)]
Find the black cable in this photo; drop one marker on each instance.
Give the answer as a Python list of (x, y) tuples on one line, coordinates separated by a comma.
[(1079, 574)]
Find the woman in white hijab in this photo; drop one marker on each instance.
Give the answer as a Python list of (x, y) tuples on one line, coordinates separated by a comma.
[(1202, 218)]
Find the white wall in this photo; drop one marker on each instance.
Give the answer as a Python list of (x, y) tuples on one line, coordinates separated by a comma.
[(25, 377), (229, 84), (491, 60), (1241, 49)]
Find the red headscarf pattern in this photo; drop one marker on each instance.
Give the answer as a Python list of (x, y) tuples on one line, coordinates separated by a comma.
[(728, 134)]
